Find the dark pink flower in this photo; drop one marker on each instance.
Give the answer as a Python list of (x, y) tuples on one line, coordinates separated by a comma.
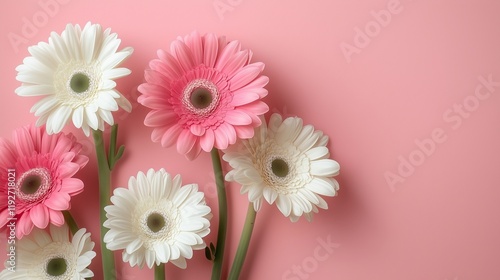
[(43, 166)]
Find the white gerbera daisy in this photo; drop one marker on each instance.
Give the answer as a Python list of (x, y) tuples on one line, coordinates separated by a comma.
[(75, 73), (156, 220), (286, 163), (52, 257)]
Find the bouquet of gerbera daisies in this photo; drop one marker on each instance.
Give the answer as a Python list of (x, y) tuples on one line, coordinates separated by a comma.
[(204, 95)]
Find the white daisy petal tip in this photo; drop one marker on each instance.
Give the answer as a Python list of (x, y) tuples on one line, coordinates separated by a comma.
[(286, 163)]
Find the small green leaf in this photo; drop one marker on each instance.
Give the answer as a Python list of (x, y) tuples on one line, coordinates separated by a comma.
[(212, 248), (208, 254), (119, 154)]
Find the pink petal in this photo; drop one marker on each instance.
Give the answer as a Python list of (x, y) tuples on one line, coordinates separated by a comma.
[(183, 55), (3, 217), (244, 98), (56, 217), (7, 153), (185, 142), (226, 54), (194, 43), (257, 108), (229, 131), (195, 151), (39, 214), (154, 77), (197, 129), (72, 186), (81, 160), (58, 201), (48, 143), (244, 132), (24, 225), (172, 67), (159, 66), (171, 135), (258, 83), (261, 92), (207, 140), (151, 90), (210, 46), (160, 118), (23, 141), (237, 117), (221, 141), (156, 103), (62, 146), (158, 133), (246, 75), (68, 169), (36, 135), (235, 63)]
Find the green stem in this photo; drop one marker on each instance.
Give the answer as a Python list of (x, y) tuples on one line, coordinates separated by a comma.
[(160, 272), (108, 264), (221, 234), (71, 222), (246, 235)]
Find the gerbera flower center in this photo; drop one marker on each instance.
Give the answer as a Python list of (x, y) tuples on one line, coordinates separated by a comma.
[(56, 267), (279, 167), (155, 222), (33, 184), (200, 97), (79, 82)]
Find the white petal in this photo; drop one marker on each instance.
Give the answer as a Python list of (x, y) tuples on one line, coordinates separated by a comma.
[(115, 73), (45, 105), (107, 102), (150, 257), (324, 167), (134, 246), (180, 263), (59, 118), (91, 118), (270, 195), (317, 153), (88, 42), (284, 204), (78, 117), (114, 60), (35, 90), (106, 116), (289, 130)]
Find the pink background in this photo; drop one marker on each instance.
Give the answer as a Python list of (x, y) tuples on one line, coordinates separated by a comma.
[(402, 81)]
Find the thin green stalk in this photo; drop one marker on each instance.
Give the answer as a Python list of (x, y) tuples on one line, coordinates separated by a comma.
[(246, 235), (160, 272), (113, 156), (71, 222), (221, 233), (108, 263)]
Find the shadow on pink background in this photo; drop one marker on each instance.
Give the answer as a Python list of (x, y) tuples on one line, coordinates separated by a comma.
[(393, 83)]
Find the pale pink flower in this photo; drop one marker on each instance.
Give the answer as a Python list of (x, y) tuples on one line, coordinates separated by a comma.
[(38, 168), (205, 93)]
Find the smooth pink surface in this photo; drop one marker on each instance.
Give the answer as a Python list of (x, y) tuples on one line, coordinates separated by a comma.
[(402, 85)]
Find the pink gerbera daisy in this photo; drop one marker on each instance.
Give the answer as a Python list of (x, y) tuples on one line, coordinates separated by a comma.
[(37, 168), (205, 93)]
